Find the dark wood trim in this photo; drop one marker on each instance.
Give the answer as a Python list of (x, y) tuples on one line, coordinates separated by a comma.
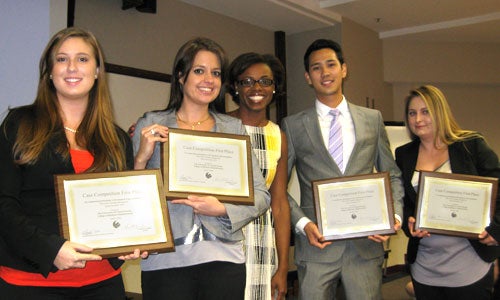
[(135, 72), (394, 123), (70, 22), (280, 52), (118, 69), (395, 269)]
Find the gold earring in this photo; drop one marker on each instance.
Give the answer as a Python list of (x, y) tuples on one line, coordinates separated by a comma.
[(50, 76)]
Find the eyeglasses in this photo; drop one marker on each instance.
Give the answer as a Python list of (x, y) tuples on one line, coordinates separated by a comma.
[(249, 82)]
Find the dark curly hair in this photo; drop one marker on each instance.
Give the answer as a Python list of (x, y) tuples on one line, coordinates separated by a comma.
[(244, 61)]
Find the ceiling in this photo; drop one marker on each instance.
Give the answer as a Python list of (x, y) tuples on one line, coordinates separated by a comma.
[(425, 20)]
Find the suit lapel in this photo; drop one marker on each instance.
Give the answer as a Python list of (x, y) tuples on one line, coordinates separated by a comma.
[(411, 161), (458, 159), (311, 125), (171, 120), (408, 162), (358, 120)]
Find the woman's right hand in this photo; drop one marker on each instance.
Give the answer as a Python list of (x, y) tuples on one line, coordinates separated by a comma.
[(149, 136), (74, 256), (416, 233), (204, 205)]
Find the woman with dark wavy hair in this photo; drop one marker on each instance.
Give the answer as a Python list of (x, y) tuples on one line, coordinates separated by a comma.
[(208, 262)]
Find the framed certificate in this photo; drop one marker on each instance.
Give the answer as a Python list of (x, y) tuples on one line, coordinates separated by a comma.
[(354, 206), (455, 204), (208, 163), (114, 212)]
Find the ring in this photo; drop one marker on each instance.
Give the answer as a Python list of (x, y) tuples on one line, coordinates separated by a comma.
[(153, 132)]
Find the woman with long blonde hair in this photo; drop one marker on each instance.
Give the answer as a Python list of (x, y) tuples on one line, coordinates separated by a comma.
[(446, 267)]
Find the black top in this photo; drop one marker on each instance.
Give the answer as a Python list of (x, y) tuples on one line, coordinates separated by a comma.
[(29, 227), (470, 157)]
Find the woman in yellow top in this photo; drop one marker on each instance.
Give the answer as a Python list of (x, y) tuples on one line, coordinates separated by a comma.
[(254, 80)]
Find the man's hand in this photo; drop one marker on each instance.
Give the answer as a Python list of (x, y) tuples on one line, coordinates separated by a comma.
[(315, 238), (383, 238)]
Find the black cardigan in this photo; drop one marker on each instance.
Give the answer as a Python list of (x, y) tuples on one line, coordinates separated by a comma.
[(471, 157), (29, 225)]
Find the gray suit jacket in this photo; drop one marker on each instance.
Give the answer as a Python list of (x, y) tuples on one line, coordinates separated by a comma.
[(181, 216), (307, 152)]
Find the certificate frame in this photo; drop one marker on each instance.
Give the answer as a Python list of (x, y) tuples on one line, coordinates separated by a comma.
[(452, 194), (83, 190), (192, 143), (335, 225)]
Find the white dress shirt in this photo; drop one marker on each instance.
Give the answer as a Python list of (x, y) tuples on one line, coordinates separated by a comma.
[(348, 134), (348, 138)]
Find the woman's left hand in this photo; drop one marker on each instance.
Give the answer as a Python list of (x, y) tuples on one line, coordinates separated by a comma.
[(279, 285), (416, 233), (204, 205), (487, 239), (137, 253)]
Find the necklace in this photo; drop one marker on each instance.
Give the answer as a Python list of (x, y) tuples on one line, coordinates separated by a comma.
[(193, 125), (70, 129), (254, 121)]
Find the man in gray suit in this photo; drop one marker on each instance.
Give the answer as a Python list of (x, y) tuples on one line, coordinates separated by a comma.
[(357, 262)]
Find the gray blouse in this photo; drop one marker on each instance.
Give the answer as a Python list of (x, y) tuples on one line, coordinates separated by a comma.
[(199, 238), (446, 260)]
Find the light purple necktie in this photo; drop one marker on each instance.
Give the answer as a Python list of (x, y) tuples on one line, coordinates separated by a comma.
[(335, 138)]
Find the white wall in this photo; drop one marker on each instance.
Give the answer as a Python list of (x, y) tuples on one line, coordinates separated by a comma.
[(26, 26), (398, 135), (467, 73), (132, 96)]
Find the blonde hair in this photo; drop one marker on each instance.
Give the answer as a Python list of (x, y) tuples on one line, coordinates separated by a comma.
[(97, 131), (446, 128)]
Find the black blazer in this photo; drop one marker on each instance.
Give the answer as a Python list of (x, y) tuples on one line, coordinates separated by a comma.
[(29, 225), (471, 157)]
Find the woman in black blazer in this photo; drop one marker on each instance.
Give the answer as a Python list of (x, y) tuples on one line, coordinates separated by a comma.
[(445, 267), (69, 128)]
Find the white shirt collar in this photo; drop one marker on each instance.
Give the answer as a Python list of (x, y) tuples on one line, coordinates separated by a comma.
[(324, 110)]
